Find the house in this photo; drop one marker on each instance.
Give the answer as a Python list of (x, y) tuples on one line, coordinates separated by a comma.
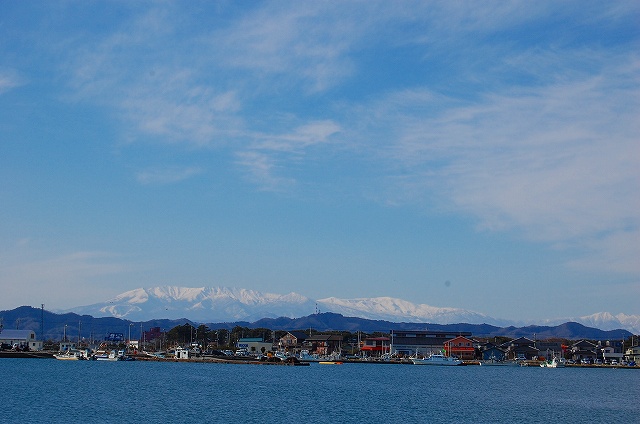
[(421, 342), (633, 354), (610, 350), (254, 345), (460, 347), (182, 353), (66, 345), (292, 341), (551, 349), (152, 334), (20, 339), (521, 348), (324, 344), (376, 346), (583, 350), (491, 352)]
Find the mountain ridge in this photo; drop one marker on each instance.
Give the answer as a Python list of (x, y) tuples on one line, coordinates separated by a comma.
[(75, 326), (222, 304)]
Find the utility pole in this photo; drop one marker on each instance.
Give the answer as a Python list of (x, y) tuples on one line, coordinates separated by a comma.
[(42, 321)]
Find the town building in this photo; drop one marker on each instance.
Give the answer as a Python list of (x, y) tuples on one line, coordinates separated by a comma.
[(292, 341), (583, 350), (409, 343), (551, 349), (491, 352), (376, 346), (520, 348), (632, 354), (609, 350), (20, 339), (460, 347), (324, 344), (152, 334), (254, 345)]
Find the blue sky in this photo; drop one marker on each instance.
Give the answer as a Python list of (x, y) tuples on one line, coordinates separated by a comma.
[(479, 155)]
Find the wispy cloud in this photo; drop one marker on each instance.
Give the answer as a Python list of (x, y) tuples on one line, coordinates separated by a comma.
[(540, 139), (558, 162), (262, 169), (9, 79)]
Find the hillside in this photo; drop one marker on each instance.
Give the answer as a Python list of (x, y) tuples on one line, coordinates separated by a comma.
[(86, 326)]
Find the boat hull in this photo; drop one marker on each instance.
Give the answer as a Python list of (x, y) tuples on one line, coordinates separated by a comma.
[(437, 360)]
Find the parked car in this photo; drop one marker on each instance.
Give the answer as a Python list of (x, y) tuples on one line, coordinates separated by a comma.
[(598, 362), (586, 361)]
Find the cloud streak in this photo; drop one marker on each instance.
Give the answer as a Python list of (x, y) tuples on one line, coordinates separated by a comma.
[(540, 139)]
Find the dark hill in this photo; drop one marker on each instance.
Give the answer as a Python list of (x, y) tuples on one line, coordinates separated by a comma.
[(86, 326)]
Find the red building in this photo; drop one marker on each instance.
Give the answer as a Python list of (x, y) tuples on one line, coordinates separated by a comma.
[(460, 347), (376, 346)]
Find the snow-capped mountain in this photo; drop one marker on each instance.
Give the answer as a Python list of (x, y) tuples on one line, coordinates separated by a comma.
[(390, 309), (202, 304), (604, 321), (222, 304)]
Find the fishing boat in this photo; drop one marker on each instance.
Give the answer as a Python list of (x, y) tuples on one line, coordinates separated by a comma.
[(437, 359), (554, 363), (109, 355), (69, 355)]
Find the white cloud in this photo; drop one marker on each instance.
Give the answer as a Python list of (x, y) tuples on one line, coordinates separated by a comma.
[(9, 80), (559, 163), (262, 170), (552, 153), (303, 136)]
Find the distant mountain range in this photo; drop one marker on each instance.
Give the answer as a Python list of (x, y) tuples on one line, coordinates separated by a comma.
[(74, 326), (222, 304)]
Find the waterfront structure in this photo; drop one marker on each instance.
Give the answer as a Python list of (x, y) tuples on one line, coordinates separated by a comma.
[(583, 350), (491, 352), (609, 351), (520, 348), (376, 346), (66, 345), (254, 345), (421, 343), (182, 353), (152, 334), (292, 341), (460, 347), (324, 344), (633, 354), (550, 349), (20, 339)]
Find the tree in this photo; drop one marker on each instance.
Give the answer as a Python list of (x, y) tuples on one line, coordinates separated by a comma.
[(202, 335)]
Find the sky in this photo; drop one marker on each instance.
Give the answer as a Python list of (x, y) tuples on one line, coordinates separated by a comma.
[(476, 155)]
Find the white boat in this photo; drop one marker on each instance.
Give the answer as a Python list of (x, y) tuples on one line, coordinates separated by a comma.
[(112, 355), (437, 359), (68, 355), (491, 363), (554, 363)]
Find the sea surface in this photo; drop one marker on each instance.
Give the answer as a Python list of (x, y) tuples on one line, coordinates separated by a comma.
[(51, 391)]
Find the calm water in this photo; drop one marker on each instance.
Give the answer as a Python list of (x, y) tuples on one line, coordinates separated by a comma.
[(46, 390)]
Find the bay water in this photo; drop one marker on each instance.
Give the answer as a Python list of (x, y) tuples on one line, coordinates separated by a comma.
[(47, 390)]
